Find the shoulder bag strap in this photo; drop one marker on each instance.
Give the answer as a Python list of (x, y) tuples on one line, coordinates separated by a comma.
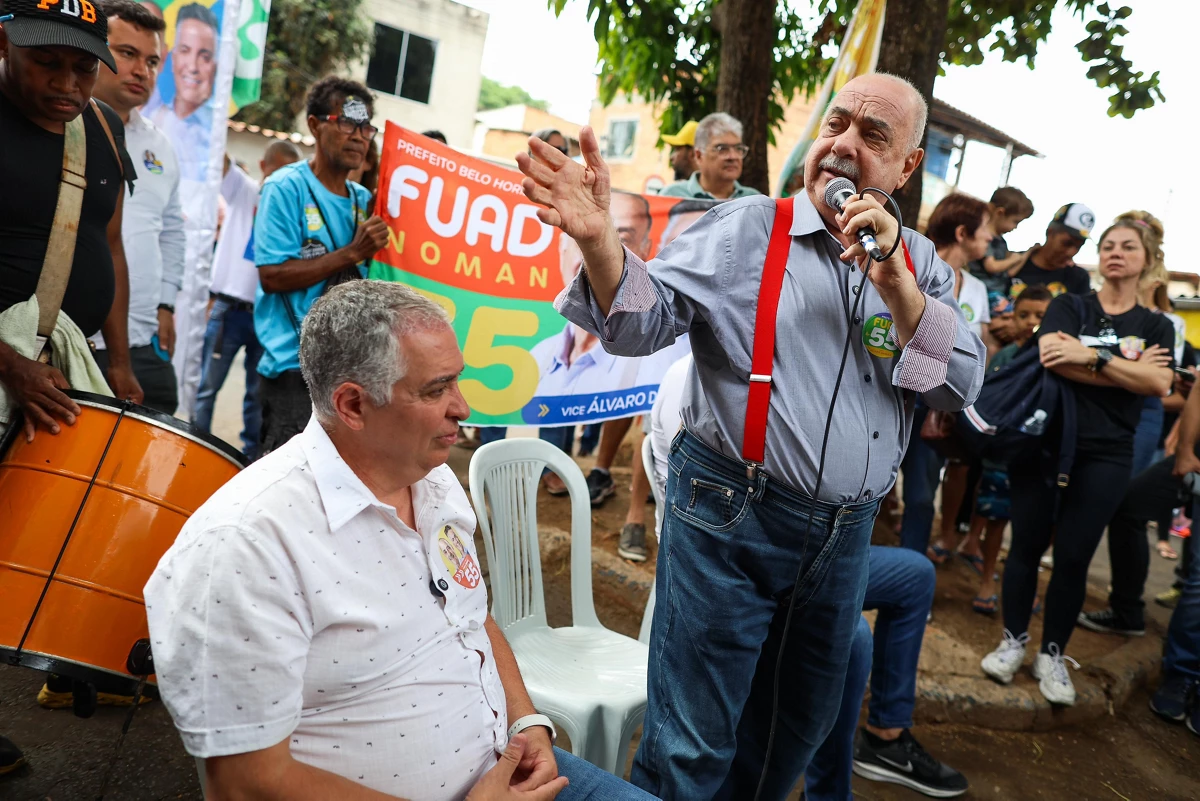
[(112, 140), (60, 249), (762, 361)]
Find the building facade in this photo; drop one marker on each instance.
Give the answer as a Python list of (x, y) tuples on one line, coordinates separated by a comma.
[(424, 65)]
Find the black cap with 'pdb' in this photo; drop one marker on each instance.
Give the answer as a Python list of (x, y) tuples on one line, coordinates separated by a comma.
[(67, 23)]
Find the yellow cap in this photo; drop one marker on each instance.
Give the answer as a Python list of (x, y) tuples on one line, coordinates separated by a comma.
[(686, 136)]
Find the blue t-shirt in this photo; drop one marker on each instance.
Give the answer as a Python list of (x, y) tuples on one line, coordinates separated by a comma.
[(298, 218)]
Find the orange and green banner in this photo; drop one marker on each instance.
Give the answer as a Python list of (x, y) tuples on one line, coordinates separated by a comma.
[(462, 232)]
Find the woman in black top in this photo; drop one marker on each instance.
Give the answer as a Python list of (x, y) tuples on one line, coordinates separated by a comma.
[(1114, 352)]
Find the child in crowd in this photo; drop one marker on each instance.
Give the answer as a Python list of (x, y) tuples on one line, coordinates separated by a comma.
[(1000, 329), (1008, 208), (991, 503)]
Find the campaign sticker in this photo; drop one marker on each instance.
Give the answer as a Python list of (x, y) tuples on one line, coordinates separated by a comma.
[(1132, 347), (313, 249), (152, 163), (312, 217), (459, 562), (876, 336), (967, 311)]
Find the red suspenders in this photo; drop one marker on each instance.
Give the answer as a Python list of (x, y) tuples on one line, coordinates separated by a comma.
[(763, 359)]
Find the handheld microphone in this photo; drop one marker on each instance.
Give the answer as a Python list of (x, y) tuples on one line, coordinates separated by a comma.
[(837, 192)]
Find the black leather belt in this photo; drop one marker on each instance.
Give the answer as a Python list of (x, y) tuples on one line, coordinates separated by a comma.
[(232, 302)]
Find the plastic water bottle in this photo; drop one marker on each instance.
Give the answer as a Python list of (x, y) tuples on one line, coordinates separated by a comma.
[(1035, 424)]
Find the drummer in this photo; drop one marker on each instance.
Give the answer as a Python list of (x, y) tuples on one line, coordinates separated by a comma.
[(44, 84)]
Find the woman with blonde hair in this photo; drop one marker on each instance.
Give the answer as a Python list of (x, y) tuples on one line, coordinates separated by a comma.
[(1112, 352)]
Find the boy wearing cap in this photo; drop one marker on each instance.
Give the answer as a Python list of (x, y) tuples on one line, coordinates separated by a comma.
[(1053, 264), (683, 158), (50, 54)]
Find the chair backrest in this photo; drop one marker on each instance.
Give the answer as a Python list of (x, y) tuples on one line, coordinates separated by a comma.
[(504, 477), (660, 508)]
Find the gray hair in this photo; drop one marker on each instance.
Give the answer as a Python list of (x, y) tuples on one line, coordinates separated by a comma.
[(714, 125), (352, 334), (918, 134)]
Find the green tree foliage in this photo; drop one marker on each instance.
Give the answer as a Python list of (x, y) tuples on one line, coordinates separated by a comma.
[(306, 40), (670, 50), (496, 95)]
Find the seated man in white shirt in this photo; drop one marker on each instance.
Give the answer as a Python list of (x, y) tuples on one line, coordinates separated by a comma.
[(320, 626)]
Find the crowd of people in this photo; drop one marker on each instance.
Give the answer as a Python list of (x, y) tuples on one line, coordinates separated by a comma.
[(330, 597)]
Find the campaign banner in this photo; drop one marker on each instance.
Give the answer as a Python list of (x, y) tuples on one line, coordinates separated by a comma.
[(190, 104), (461, 232)]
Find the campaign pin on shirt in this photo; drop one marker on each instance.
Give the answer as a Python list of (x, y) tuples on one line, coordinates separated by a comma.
[(458, 560), (152, 163)]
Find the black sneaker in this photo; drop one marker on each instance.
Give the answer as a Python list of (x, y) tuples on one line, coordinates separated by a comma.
[(1170, 701), (903, 761), (11, 757), (1106, 622), (633, 542), (600, 486)]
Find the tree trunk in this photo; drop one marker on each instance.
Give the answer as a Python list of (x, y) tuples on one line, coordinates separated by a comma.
[(744, 86), (914, 34)]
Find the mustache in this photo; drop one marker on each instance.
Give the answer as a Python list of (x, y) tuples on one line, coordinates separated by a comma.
[(841, 166)]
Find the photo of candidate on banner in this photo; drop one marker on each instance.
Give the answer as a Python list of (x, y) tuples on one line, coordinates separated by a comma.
[(462, 232), (189, 104)]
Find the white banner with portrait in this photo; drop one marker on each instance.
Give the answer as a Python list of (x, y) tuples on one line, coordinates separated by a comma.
[(191, 104)]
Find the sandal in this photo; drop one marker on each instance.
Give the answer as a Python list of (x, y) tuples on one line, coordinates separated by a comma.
[(1165, 550), (985, 606), (939, 554), (974, 562)]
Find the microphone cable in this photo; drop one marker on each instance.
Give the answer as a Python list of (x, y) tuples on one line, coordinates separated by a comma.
[(837, 385)]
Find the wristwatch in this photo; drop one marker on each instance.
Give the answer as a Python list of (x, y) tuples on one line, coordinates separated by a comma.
[(529, 721), (1103, 357), (166, 307)]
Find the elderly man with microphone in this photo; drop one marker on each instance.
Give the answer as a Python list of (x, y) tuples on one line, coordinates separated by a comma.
[(798, 355)]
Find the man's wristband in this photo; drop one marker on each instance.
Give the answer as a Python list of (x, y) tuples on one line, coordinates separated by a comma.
[(529, 721), (166, 307)]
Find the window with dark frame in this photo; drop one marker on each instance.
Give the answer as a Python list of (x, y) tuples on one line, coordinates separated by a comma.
[(401, 64)]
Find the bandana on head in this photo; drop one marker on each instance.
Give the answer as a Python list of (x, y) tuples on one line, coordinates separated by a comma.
[(354, 109)]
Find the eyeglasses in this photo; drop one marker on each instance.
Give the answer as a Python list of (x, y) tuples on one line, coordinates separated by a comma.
[(348, 126), (725, 150)]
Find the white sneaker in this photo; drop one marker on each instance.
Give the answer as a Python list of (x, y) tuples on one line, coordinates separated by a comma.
[(1003, 663), (1053, 679)]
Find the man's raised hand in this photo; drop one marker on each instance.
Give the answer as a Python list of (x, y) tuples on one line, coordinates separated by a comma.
[(575, 196)]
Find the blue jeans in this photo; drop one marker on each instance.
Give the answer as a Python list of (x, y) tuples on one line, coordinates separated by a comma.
[(728, 559), (1147, 434), (590, 783), (489, 434), (900, 584), (922, 467), (561, 437), (590, 438), (228, 331), (1181, 653)]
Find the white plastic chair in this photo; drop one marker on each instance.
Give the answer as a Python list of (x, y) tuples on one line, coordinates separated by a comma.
[(660, 509), (589, 680)]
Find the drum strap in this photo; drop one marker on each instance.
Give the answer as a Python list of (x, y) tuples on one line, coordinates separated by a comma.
[(60, 250)]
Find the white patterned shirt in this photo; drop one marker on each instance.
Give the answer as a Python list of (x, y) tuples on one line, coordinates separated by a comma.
[(295, 605)]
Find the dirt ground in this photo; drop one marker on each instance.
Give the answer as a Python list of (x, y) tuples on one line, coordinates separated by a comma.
[(1131, 755)]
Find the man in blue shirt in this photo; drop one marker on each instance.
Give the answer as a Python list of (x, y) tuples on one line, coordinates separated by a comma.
[(313, 230)]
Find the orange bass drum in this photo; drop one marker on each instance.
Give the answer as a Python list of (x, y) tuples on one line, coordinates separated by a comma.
[(85, 515)]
